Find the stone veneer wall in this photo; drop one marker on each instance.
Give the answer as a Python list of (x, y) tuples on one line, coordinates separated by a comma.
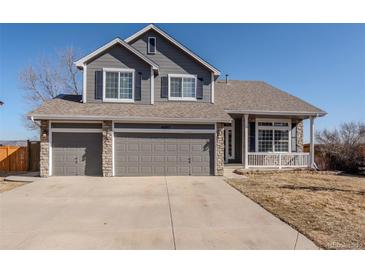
[(300, 136), (107, 154), (44, 149), (220, 149)]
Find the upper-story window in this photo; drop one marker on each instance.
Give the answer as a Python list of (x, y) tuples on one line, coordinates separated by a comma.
[(151, 49), (182, 87), (118, 85)]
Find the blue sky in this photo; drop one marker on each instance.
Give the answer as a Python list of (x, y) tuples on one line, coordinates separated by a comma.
[(323, 64)]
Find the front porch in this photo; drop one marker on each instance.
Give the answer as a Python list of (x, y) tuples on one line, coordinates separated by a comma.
[(267, 142)]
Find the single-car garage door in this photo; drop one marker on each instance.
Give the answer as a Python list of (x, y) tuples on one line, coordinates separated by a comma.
[(146, 154), (76, 154)]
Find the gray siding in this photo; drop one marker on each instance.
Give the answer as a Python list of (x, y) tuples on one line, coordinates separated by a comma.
[(172, 60), (119, 57)]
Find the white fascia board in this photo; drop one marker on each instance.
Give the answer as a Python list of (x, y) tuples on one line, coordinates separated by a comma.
[(176, 43), (79, 63), (128, 119), (292, 113)]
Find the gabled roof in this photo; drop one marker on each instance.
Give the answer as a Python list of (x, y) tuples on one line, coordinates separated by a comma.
[(176, 43), (117, 41)]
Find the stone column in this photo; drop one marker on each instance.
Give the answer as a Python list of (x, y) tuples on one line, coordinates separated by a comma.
[(44, 149), (300, 137), (107, 154), (220, 149)]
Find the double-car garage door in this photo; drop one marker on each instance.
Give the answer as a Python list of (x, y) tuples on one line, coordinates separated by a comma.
[(135, 154), (146, 154)]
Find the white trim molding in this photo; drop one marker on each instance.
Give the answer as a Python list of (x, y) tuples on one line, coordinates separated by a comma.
[(215, 149), (50, 148), (84, 84), (149, 45), (311, 146), (113, 150), (118, 100), (277, 113), (174, 42), (128, 119), (245, 131), (81, 62), (212, 88), (152, 87), (182, 76)]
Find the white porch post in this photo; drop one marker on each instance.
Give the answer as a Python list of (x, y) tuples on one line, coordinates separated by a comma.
[(245, 140), (311, 150)]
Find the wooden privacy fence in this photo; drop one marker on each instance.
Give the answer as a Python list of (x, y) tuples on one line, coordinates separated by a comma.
[(16, 158), (13, 158)]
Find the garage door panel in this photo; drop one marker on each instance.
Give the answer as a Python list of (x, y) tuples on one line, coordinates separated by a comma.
[(163, 154), (146, 159), (158, 148), (146, 147), (158, 171), (158, 159), (76, 154), (132, 147)]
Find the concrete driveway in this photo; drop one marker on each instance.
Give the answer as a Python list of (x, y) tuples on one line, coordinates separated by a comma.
[(139, 213)]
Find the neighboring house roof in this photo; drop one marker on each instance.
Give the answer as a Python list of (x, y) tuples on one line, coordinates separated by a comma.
[(251, 97), (61, 108), (117, 41), (176, 43), (257, 97)]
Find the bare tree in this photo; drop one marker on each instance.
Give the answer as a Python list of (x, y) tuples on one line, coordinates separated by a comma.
[(45, 79), (341, 148)]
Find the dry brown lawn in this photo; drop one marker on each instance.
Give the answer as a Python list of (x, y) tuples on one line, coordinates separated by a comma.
[(328, 209)]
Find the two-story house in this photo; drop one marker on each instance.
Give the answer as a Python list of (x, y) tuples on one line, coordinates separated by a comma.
[(150, 106)]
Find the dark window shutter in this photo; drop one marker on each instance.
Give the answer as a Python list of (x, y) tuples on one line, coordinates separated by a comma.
[(293, 137), (138, 87), (199, 88), (252, 135), (164, 87), (98, 85)]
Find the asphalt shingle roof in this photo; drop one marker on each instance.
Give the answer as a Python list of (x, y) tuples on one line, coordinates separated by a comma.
[(259, 96), (236, 96)]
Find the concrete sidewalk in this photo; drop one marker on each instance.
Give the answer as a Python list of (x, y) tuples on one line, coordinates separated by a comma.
[(139, 213)]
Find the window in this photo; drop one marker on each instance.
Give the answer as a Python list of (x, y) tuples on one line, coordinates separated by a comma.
[(281, 140), (273, 136), (118, 85), (182, 87), (151, 48)]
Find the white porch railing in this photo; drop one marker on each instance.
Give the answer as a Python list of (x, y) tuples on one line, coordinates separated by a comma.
[(278, 160)]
